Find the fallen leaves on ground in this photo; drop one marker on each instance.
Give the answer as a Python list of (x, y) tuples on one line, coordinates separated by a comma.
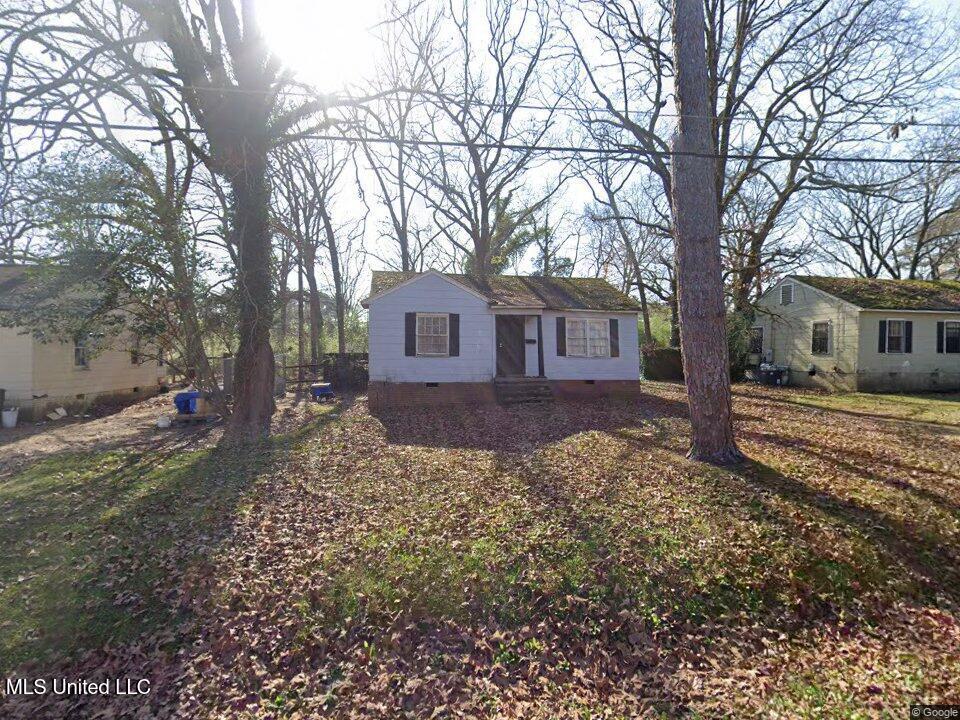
[(566, 560)]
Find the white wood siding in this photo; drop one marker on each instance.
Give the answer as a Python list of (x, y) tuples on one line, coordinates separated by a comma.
[(110, 371), (625, 367), (431, 293), (788, 336), (923, 368), (532, 357), (16, 365)]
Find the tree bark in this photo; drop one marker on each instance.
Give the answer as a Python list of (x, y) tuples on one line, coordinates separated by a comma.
[(339, 293), (706, 364), (254, 369), (644, 313)]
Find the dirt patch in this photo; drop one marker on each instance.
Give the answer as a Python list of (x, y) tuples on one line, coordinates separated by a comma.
[(133, 426)]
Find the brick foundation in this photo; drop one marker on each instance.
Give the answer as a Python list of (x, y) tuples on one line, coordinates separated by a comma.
[(385, 396), (392, 396)]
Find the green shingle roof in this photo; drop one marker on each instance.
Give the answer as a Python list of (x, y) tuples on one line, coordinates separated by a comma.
[(552, 293), (873, 294)]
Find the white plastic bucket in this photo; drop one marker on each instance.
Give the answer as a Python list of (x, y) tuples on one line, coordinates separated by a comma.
[(10, 417)]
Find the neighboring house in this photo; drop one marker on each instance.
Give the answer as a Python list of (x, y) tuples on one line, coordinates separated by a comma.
[(38, 376), (862, 334), (454, 338)]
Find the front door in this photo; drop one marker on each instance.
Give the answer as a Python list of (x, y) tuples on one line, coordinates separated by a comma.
[(510, 347)]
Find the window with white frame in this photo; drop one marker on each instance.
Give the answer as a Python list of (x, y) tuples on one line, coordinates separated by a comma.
[(951, 337), (81, 356), (433, 334), (786, 294), (820, 344), (756, 340), (895, 335), (588, 338)]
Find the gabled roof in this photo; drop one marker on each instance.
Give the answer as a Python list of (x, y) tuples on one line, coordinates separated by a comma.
[(874, 294), (520, 291)]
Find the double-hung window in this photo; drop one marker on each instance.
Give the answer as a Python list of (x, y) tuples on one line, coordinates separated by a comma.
[(588, 338), (81, 357), (820, 344), (895, 335), (951, 337), (756, 340), (433, 334)]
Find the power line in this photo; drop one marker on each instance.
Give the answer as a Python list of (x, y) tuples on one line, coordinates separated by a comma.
[(337, 99), (623, 151)]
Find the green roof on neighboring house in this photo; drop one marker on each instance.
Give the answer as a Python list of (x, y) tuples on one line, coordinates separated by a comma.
[(552, 293), (873, 294)]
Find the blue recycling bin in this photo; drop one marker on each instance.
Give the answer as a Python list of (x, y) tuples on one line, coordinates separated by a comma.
[(186, 402), (321, 392)]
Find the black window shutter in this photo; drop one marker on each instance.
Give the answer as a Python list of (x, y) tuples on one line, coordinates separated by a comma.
[(882, 335), (410, 334), (561, 337), (614, 337), (908, 336), (454, 335), (940, 333)]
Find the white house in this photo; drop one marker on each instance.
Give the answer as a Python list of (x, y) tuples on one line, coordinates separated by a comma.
[(437, 337), (38, 376), (862, 334)]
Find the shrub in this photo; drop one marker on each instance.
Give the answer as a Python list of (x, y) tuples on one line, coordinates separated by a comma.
[(665, 363), (661, 363)]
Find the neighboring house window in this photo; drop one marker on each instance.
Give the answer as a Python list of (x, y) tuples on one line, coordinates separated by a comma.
[(895, 335), (756, 341), (821, 338), (433, 335), (786, 294), (951, 337), (135, 353), (81, 358), (588, 338)]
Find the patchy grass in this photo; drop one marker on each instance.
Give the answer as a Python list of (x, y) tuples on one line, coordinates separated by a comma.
[(90, 541), (568, 561), (939, 408)]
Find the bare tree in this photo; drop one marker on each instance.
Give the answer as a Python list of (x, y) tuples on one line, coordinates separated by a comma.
[(390, 128), (210, 54), (788, 82), (706, 364), (476, 193), (875, 221)]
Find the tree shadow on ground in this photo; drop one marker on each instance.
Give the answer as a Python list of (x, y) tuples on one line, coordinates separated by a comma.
[(98, 539), (520, 428)]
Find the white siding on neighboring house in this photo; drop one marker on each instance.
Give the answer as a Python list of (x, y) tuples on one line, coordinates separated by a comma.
[(16, 365), (625, 367), (431, 294), (532, 356), (55, 375), (788, 335), (922, 368)]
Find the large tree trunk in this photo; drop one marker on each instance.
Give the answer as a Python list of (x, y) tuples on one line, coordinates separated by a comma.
[(706, 364), (187, 314), (254, 370), (645, 313), (300, 344), (339, 292), (674, 316)]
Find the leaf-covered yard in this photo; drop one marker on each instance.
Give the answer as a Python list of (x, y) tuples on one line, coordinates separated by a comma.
[(536, 562)]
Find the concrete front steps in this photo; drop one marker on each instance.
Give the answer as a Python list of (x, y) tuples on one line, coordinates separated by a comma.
[(516, 390)]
